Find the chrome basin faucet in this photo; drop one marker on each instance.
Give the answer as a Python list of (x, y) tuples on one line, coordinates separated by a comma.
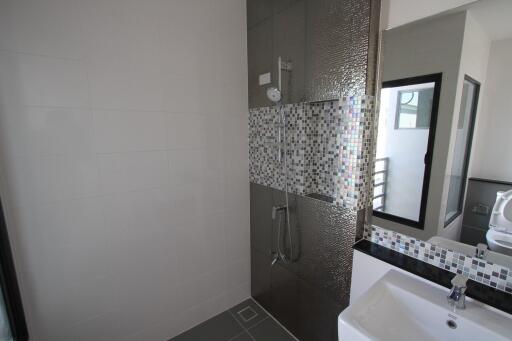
[(457, 296)]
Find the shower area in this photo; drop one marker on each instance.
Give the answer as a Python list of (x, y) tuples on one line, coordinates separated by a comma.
[(311, 68)]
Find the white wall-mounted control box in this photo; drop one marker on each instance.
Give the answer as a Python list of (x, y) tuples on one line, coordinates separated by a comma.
[(264, 78)]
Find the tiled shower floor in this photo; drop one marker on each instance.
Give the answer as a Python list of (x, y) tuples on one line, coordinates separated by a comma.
[(244, 322)]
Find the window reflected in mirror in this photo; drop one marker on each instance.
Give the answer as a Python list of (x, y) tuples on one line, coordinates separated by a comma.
[(413, 107), (406, 130), (460, 160)]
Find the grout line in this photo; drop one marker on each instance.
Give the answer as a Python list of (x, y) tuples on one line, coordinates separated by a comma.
[(133, 151), (118, 109), (43, 55), (237, 335), (275, 320), (257, 323), (244, 329)]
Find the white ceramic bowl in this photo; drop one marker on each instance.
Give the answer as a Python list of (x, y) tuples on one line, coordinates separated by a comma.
[(499, 242)]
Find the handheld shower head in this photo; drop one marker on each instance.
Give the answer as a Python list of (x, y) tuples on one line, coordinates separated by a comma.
[(274, 94)]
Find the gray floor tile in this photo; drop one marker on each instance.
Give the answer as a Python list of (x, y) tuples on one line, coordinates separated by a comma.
[(269, 330), (219, 328), (248, 313), (242, 337)]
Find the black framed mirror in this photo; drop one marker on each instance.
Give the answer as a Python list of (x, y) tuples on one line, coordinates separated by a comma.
[(405, 143)]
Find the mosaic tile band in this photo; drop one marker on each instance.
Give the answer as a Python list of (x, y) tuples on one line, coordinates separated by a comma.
[(353, 180), (479, 270), (329, 149)]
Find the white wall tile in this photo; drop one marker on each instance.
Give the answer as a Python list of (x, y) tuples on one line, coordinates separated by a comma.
[(226, 57), (123, 55), (126, 80), (122, 131), (199, 313), (72, 227), (201, 248), (182, 93), (125, 213), (122, 172), (238, 272), (179, 36), (125, 173), (234, 130), (185, 131), (216, 254), (144, 256), (103, 327), (42, 179), (36, 27), (238, 293), (237, 237), (48, 130), (119, 25), (65, 261), (157, 331), (196, 180), (52, 81)]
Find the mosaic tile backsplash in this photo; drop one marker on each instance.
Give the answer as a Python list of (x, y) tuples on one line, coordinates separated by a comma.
[(329, 149), (354, 183), (479, 270)]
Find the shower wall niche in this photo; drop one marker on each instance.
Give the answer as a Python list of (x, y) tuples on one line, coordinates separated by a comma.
[(328, 149)]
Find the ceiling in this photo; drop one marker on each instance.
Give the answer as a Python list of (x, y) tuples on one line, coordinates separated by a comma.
[(399, 12), (495, 17)]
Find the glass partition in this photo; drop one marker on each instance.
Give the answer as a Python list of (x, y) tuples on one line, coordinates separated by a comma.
[(460, 161)]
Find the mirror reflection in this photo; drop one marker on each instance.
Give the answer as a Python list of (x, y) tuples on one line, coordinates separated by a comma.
[(443, 168), (408, 113)]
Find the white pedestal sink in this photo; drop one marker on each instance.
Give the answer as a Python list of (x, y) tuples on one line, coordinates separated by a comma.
[(400, 307)]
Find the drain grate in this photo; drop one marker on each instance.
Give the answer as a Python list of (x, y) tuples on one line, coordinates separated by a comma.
[(247, 314)]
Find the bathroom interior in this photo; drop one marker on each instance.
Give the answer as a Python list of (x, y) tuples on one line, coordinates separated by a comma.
[(255, 170)]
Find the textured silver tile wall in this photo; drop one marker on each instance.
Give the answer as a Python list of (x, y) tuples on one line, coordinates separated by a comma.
[(337, 48), (307, 295)]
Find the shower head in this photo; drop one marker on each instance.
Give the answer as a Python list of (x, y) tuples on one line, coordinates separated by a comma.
[(274, 94)]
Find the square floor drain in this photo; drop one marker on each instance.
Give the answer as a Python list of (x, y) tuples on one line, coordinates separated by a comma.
[(247, 314)]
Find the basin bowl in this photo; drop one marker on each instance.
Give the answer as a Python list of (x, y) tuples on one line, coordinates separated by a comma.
[(402, 307)]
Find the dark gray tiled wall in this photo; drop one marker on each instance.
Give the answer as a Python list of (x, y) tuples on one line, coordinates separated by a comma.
[(259, 60), (475, 225), (290, 43), (258, 10), (307, 295), (328, 42), (276, 28)]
